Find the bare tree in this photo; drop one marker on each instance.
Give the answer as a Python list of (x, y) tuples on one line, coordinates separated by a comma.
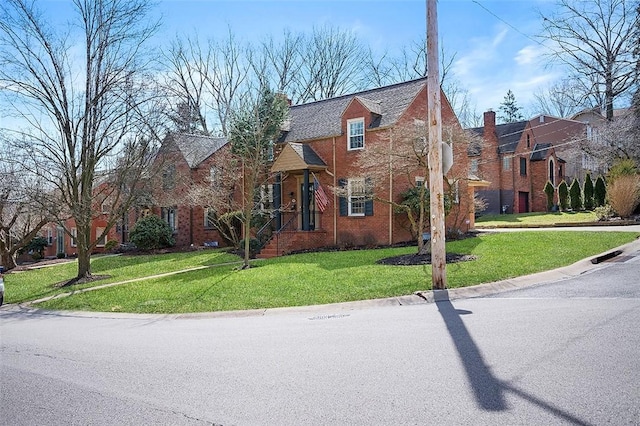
[(595, 40), (22, 213), (332, 64), (208, 78), (561, 99), (85, 102), (402, 154)]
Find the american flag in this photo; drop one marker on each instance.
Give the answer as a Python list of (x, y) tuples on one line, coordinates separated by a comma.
[(322, 201)]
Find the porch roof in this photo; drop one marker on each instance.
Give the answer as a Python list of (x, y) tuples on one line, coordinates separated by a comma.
[(298, 156)]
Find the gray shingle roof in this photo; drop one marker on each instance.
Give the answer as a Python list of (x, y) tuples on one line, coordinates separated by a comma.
[(539, 152), (322, 119), (307, 154), (509, 135), (196, 148)]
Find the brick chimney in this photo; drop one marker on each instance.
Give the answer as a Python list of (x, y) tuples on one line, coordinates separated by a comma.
[(489, 121)]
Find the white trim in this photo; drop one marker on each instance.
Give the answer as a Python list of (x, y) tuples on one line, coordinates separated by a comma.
[(351, 199), (351, 122)]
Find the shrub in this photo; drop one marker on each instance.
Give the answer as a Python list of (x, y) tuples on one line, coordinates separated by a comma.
[(152, 233), (563, 195), (549, 190), (624, 194), (575, 195), (111, 245), (626, 167), (588, 192), (254, 246), (603, 212), (61, 255), (599, 192), (36, 245)]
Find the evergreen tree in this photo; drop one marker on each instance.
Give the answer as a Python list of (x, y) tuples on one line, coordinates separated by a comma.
[(575, 195), (510, 110), (563, 195), (588, 192), (600, 192), (549, 190)]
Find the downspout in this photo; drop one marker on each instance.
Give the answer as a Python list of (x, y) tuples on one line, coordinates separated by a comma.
[(390, 188), (335, 198)]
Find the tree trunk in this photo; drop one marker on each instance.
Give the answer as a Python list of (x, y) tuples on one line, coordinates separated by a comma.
[(8, 260)]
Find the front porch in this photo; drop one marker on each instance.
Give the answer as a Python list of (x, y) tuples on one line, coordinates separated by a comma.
[(299, 203)]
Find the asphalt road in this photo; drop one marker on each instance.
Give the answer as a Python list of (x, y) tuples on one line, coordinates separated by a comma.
[(555, 353)]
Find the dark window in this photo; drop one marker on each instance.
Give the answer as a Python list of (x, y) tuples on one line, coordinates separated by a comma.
[(523, 166)]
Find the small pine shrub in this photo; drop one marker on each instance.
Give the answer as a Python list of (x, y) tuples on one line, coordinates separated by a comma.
[(549, 190), (575, 195), (111, 245), (588, 193), (599, 192), (563, 195), (152, 233)]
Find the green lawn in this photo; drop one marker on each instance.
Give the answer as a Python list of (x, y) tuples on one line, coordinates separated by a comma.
[(39, 283), (535, 219), (318, 278)]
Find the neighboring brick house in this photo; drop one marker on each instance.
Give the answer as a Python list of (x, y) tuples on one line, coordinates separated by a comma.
[(519, 158), (320, 148), (185, 159)]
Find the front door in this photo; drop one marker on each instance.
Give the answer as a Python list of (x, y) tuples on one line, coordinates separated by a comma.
[(523, 202), (311, 206), (60, 240)]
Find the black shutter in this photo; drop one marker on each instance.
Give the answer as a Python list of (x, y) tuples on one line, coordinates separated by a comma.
[(344, 206)]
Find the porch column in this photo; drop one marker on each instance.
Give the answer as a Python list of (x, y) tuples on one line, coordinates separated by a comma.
[(277, 199), (306, 213)]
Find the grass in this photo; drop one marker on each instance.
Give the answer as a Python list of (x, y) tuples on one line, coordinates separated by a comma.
[(535, 219), (319, 278), (39, 283)]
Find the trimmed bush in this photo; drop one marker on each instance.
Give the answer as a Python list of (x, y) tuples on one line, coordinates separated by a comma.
[(575, 195), (599, 192), (603, 212), (588, 192), (549, 190), (563, 195), (152, 233)]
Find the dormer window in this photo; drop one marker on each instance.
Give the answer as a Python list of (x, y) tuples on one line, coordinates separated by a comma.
[(355, 132)]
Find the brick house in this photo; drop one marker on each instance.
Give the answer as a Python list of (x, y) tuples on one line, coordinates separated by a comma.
[(519, 158), (319, 151), (185, 159)]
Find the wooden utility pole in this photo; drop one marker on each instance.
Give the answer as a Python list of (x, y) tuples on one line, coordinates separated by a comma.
[(434, 117)]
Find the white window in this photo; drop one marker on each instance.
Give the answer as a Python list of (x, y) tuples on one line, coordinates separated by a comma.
[(50, 237), (209, 218), (169, 215), (266, 197), (474, 166), (506, 163), (356, 197), (100, 241), (355, 130), (456, 193), (419, 181), (74, 237), (214, 173)]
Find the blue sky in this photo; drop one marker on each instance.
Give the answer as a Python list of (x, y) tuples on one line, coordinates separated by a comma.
[(491, 55), (494, 40)]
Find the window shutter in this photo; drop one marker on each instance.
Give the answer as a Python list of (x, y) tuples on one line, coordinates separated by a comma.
[(344, 207), (368, 204)]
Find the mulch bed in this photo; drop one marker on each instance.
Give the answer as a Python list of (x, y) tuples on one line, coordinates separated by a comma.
[(423, 259)]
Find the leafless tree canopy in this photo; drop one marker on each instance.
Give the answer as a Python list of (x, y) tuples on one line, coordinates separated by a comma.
[(563, 99), (84, 101), (595, 40)]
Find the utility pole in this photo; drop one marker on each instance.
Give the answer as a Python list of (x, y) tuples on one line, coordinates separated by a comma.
[(434, 117)]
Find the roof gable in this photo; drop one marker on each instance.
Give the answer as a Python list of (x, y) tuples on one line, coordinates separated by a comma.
[(297, 156), (195, 148)]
